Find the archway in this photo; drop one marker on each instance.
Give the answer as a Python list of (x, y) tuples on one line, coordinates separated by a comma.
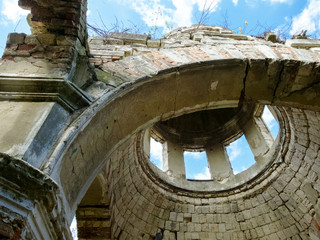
[(194, 69), (102, 133)]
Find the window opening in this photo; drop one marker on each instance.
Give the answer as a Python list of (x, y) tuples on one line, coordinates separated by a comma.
[(156, 153), (240, 155), (196, 165), (74, 229), (270, 121)]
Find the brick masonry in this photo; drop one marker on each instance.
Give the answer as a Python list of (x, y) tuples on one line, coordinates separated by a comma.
[(285, 208), (140, 81), (281, 204), (93, 222)]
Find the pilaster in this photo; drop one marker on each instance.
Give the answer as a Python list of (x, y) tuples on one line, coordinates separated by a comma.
[(31, 205)]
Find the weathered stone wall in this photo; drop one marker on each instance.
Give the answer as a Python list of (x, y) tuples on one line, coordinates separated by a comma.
[(141, 82), (31, 205), (64, 17), (57, 47), (280, 70), (39, 70), (282, 204), (93, 222), (214, 72), (11, 224)]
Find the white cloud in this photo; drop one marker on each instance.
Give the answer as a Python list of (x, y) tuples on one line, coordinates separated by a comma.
[(279, 1), (255, 3), (12, 12), (153, 13), (156, 14), (195, 155), (212, 4), (156, 153), (239, 170), (205, 175), (235, 2), (268, 117), (308, 19), (251, 3), (234, 150)]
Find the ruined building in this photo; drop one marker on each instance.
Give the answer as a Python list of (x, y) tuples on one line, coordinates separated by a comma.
[(77, 115)]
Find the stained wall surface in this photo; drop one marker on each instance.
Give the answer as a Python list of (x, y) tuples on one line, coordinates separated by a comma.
[(95, 99), (280, 204)]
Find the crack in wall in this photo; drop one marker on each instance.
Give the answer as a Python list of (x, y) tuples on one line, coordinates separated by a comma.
[(176, 92), (278, 82), (243, 91), (305, 89)]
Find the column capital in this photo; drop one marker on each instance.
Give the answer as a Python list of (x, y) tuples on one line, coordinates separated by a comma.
[(31, 199)]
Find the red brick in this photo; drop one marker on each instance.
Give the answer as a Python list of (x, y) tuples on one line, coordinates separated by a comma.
[(26, 47), (5, 230)]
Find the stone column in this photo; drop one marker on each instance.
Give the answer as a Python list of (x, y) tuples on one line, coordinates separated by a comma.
[(146, 143), (265, 132), (258, 137), (219, 164), (173, 161)]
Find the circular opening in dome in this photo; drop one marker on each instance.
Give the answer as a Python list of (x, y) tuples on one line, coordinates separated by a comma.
[(218, 149), (201, 130)]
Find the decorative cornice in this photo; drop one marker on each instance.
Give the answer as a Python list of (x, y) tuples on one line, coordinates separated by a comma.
[(64, 92), (34, 183), (32, 194)]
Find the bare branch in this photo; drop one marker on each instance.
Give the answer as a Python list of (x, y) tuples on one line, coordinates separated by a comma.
[(225, 19), (206, 10), (116, 26)]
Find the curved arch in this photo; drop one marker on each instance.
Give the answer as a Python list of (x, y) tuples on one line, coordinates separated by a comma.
[(93, 213), (265, 197), (160, 79), (96, 193), (89, 141)]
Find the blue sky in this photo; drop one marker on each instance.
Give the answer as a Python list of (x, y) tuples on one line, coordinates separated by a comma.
[(268, 14), (261, 15)]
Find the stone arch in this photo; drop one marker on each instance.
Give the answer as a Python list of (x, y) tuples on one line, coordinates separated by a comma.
[(96, 194), (225, 81), (192, 69), (279, 82), (93, 213), (178, 213)]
